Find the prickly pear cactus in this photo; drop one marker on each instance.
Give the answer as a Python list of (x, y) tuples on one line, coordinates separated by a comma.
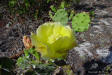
[(61, 16), (80, 22)]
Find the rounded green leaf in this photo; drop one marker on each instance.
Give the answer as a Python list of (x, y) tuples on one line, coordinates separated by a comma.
[(80, 22)]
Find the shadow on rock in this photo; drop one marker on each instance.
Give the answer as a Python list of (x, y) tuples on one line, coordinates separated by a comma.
[(6, 66), (95, 67)]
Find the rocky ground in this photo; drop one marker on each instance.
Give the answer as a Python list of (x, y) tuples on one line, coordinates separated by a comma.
[(93, 53), (96, 44)]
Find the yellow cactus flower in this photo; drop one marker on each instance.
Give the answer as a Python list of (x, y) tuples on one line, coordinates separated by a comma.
[(53, 40)]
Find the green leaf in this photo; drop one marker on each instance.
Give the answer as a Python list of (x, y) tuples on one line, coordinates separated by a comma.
[(53, 8), (12, 3), (80, 22), (35, 53), (61, 16), (26, 53), (23, 62), (62, 6)]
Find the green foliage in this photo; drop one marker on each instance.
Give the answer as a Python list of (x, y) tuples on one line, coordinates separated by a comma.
[(107, 69), (60, 16), (48, 1), (80, 22), (62, 5), (23, 62), (67, 70), (72, 13), (26, 61), (53, 8), (20, 7), (12, 3), (31, 60), (31, 8), (46, 69), (92, 13)]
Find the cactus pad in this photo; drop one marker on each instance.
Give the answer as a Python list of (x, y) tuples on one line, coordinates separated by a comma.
[(80, 22), (61, 16)]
